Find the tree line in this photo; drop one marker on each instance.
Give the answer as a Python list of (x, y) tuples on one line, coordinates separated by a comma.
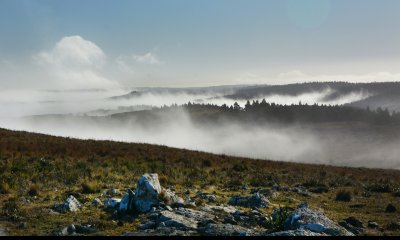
[(263, 110)]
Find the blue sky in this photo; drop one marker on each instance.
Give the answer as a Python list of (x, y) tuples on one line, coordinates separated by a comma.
[(207, 42)]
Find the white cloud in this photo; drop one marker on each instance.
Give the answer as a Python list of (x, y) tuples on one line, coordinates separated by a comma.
[(74, 50), (148, 58), (75, 63)]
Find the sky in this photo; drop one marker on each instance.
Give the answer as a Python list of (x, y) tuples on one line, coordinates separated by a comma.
[(102, 44)]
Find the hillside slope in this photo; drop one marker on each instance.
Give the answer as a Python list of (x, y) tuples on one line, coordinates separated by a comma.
[(39, 171)]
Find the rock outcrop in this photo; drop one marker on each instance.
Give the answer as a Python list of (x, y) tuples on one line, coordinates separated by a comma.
[(353, 225), (147, 191), (177, 221), (163, 213), (97, 202), (172, 198), (212, 229), (127, 202), (255, 201), (147, 195), (305, 218), (76, 230), (294, 233), (112, 202), (71, 204)]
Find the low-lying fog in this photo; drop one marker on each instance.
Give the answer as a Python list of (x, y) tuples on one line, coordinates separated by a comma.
[(336, 146)]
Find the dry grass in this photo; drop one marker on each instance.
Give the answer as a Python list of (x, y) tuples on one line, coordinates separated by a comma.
[(51, 167)]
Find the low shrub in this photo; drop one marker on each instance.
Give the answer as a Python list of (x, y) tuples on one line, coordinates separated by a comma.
[(33, 190), (343, 196), (276, 223), (5, 188), (90, 187)]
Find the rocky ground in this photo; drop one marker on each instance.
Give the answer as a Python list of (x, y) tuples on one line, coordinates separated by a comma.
[(161, 212), (151, 210)]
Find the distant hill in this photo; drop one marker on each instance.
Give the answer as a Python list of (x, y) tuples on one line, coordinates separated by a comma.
[(214, 90), (338, 88), (337, 135), (384, 95), (374, 95)]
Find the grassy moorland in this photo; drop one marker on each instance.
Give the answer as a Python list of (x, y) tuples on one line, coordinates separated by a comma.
[(38, 171)]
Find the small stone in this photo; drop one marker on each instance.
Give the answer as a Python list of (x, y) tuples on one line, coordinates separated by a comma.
[(84, 229), (52, 212), (373, 225), (393, 226), (353, 225), (147, 225), (153, 210), (112, 202), (113, 192), (354, 222), (255, 201), (71, 229), (71, 204), (237, 213), (96, 202), (169, 208), (255, 212), (303, 205), (230, 220)]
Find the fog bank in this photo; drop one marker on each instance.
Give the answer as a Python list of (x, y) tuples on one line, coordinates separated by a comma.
[(336, 146)]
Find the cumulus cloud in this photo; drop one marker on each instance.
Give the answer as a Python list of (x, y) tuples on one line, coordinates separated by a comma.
[(75, 63), (74, 50)]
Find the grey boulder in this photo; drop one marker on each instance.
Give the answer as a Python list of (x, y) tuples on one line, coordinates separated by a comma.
[(226, 230), (255, 201), (147, 192), (305, 218), (71, 204), (127, 202)]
